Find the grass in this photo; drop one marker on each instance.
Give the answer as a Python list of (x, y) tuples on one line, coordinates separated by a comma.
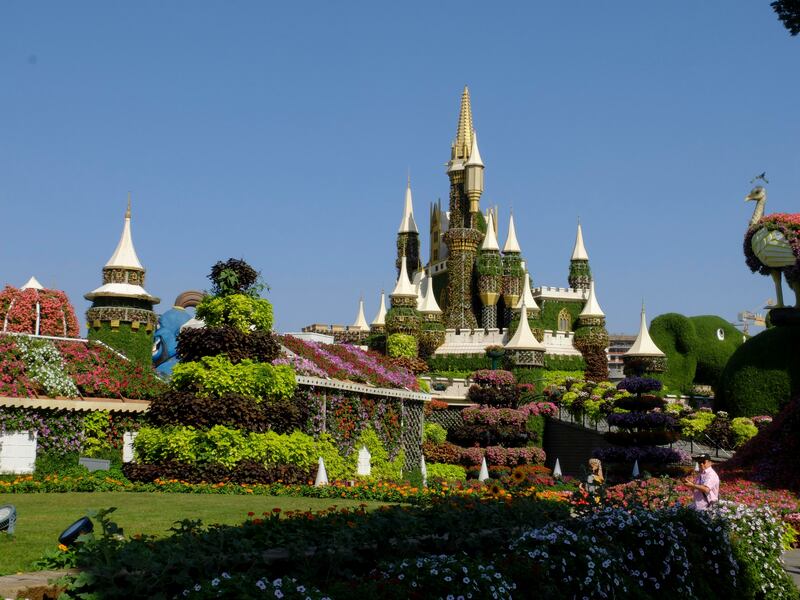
[(42, 517)]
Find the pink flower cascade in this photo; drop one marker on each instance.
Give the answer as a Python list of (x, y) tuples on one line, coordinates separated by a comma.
[(56, 314), (497, 456)]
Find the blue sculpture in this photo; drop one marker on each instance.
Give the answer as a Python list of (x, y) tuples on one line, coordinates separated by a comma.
[(165, 339)]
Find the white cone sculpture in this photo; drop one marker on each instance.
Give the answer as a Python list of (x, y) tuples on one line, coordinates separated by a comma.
[(557, 469), (322, 474), (424, 470), (635, 472), (484, 474), (364, 468)]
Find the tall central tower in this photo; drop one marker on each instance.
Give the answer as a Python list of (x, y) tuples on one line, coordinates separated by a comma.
[(463, 236)]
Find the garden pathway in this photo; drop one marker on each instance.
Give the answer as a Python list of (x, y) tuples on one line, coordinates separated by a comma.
[(792, 566)]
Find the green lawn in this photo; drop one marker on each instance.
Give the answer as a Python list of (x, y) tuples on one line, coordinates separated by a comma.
[(42, 517)]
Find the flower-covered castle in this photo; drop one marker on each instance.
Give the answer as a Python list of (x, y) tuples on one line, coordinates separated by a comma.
[(470, 293)]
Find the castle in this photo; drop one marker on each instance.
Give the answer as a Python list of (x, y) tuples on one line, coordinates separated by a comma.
[(470, 294)]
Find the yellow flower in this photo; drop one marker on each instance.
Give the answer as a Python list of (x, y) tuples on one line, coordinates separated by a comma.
[(62, 547)]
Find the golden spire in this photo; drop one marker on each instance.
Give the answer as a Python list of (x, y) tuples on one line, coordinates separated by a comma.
[(128, 212), (463, 143)]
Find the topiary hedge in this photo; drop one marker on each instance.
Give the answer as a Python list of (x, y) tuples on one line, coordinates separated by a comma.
[(194, 344), (217, 376), (762, 374), (713, 353), (675, 336), (401, 345)]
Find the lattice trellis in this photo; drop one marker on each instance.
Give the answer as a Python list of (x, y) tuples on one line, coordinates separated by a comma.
[(449, 419), (413, 419)]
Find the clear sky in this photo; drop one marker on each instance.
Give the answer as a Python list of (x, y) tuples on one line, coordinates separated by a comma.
[(282, 132)]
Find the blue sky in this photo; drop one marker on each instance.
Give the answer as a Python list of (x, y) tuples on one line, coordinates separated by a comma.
[(283, 132)]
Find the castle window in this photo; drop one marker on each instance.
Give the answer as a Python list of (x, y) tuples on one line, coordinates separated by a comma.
[(564, 320)]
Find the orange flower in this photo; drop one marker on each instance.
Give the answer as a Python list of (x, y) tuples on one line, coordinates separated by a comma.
[(276, 510), (62, 547)]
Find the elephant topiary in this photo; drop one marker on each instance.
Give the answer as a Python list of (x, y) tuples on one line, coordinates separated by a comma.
[(697, 348)]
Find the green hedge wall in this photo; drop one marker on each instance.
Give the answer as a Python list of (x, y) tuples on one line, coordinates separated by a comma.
[(762, 374), (459, 362), (675, 336), (137, 345)]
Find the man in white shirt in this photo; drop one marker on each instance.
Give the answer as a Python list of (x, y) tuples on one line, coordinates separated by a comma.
[(705, 486)]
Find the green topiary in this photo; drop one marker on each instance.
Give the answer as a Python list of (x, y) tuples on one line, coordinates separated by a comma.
[(217, 376), (712, 352), (241, 311), (401, 344), (676, 337), (762, 375)]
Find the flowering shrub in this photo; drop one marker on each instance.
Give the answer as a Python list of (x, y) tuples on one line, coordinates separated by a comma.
[(56, 315), (443, 576), (639, 385), (545, 409), (251, 586), (59, 431), (433, 432), (301, 366), (756, 536), (342, 361), (45, 366), (401, 345), (789, 226), (497, 377), (641, 420), (761, 421), (499, 456)]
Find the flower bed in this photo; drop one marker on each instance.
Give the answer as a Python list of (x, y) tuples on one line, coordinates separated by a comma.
[(346, 362)]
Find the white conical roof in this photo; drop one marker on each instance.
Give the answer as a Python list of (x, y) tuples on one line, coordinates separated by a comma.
[(490, 239), (360, 322), (592, 306), (511, 245), (579, 252), (32, 284), (523, 337), (644, 344), (474, 154), (407, 224), (380, 318), (429, 304), (404, 287), (125, 254), (527, 297)]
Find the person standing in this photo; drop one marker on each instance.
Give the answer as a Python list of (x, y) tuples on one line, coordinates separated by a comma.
[(595, 477), (705, 485)]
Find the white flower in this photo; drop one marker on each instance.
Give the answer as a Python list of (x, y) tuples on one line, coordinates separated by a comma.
[(215, 582), (261, 585)]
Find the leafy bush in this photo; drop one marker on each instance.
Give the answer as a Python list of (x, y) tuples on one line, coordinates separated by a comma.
[(382, 467), (217, 376), (401, 345), (489, 426), (240, 412), (240, 311), (743, 429), (235, 276), (499, 456), (694, 426), (195, 343), (446, 472), (434, 433), (489, 377), (555, 362), (442, 453), (639, 385), (243, 472)]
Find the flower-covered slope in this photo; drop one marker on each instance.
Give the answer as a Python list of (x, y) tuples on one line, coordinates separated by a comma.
[(346, 362), (55, 316), (35, 367)]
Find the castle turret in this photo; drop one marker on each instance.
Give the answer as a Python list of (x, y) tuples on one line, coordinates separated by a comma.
[(512, 272), (474, 176), (490, 274), (378, 324), (360, 324), (408, 236), (462, 237), (579, 273), (432, 332), (403, 316), (523, 349), (591, 338), (644, 356), (122, 314)]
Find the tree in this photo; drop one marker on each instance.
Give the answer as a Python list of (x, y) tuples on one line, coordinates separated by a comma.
[(788, 12)]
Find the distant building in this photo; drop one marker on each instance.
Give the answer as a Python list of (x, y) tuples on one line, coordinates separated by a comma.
[(619, 344)]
